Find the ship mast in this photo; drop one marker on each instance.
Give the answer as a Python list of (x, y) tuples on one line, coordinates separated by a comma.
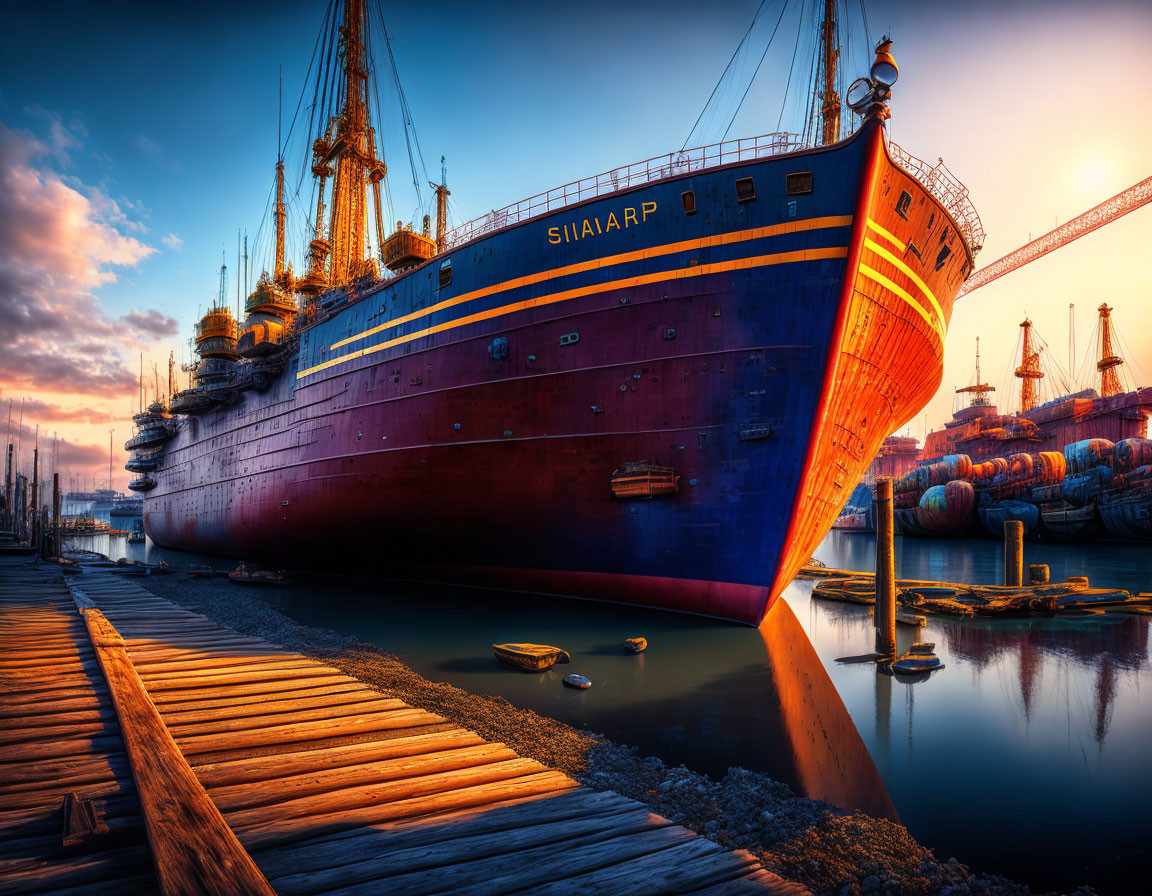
[(1109, 360), (346, 153), (830, 107), (979, 391), (442, 194), (1029, 370)]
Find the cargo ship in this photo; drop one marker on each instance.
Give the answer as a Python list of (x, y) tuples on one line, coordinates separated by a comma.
[(657, 386)]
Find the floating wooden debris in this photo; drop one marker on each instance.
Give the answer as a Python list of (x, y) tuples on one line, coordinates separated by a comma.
[(922, 648), (579, 682), (206, 572), (913, 620), (912, 665), (126, 567), (533, 657), (955, 599), (636, 645), (250, 575)]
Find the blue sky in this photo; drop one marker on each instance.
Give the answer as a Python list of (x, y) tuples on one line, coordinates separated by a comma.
[(164, 117)]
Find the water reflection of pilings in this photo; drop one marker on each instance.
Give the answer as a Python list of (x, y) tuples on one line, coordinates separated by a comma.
[(1109, 646)]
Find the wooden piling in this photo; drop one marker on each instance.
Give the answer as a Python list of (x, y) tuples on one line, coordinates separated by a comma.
[(885, 614), (55, 514), (1013, 552), (8, 515), (36, 498), (1038, 574)]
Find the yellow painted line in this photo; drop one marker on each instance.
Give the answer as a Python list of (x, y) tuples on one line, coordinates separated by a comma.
[(738, 264), (884, 233), (723, 239), (908, 272), (905, 295)]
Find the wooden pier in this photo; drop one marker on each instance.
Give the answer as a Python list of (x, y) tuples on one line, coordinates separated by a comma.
[(144, 748)]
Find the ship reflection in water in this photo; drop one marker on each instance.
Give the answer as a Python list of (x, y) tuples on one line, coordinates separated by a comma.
[(1026, 756), (1029, 754)]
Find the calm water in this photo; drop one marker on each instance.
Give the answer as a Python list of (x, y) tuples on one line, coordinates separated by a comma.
[(1030, 754)]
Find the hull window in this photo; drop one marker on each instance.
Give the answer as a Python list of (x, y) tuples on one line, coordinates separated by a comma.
[(745, 189), (799, 183)]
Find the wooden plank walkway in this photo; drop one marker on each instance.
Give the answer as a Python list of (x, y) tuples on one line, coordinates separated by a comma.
[(331, 787)]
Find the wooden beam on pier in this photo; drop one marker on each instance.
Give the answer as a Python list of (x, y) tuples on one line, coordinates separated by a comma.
[(193, 849)]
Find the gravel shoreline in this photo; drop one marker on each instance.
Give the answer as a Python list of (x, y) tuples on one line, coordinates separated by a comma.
[(831, 852)]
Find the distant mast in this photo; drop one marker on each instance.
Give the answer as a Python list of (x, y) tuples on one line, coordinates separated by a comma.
[(979, 390), (1109, 360), (830, 107), (442, 194), (1029, 370)]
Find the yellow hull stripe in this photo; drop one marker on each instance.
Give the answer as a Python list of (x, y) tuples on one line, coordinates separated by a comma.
[(908, 272), (723, 239), (884, 233), (737, 264), (937, 326)]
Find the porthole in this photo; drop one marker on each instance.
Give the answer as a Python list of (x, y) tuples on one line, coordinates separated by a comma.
[(799, 183)]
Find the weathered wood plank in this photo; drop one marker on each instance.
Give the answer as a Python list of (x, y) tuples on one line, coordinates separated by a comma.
[(226, 720), (242, 771), (384, 858), (529, 869), (692, 861), (344, 784), (238, 678), (192, 744), (64, 872), (285, 830), (332, 850), (305, 691)]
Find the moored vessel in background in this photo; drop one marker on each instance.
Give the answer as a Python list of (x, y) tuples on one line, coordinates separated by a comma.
[(657, 386)]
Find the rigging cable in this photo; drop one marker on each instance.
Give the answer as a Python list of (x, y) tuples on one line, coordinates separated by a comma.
[(771, 38), (711, 96), (791, 66)]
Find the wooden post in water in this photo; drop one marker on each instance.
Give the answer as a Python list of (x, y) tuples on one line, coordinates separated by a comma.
[(36, 498), (885, 613), (56, 515), (1038, 574), (1013, 552), (8, 517)]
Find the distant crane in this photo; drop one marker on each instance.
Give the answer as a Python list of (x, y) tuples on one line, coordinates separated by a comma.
[(1109, 360), (1106, 212), (1029, 370), (978, 390)]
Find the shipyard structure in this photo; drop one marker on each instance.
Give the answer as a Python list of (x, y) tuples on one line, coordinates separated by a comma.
[(658, 385), (1076, 467)]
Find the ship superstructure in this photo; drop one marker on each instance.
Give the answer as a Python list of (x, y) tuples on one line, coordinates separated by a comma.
[(658, 385)]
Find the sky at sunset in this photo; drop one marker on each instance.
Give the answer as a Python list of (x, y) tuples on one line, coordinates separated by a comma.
[(135, 141)]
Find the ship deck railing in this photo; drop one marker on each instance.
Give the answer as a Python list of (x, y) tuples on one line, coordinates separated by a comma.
[(672, 164), (937, 179), (947, 189)]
